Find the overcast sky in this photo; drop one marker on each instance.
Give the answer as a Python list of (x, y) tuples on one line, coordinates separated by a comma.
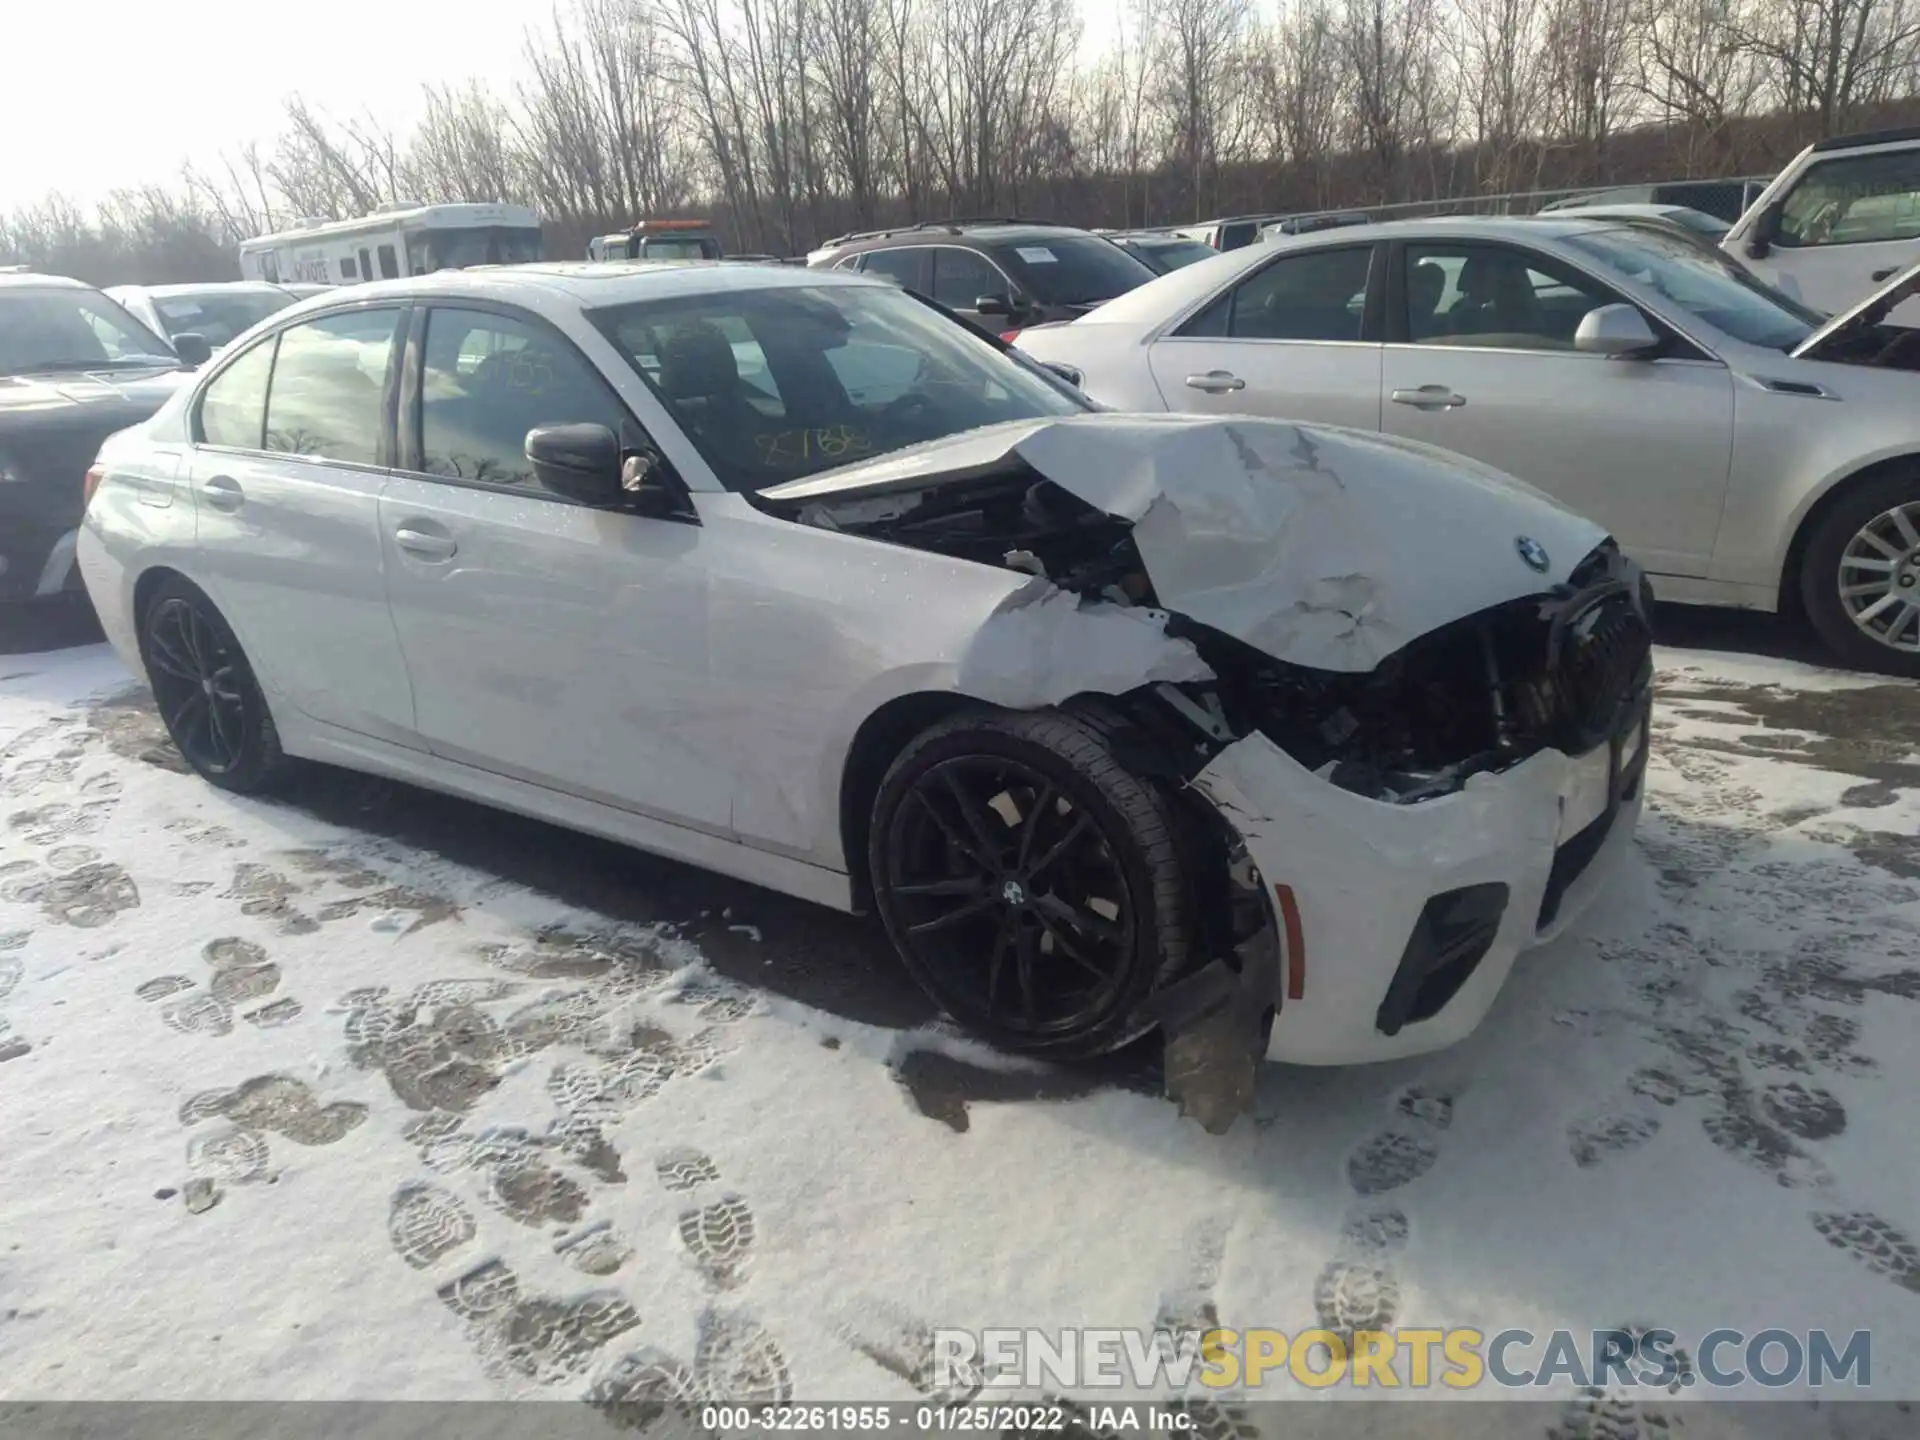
[(98, 94)]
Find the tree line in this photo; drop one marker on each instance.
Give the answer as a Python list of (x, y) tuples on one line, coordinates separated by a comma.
[(791, 120)]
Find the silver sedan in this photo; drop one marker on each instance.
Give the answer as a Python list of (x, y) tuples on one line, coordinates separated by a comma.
[(1749, 451)]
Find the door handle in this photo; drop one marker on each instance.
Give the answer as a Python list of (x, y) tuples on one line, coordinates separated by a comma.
[(223, 492), (1886, 274), (1429, 397), (425, 544), (1216, 382)]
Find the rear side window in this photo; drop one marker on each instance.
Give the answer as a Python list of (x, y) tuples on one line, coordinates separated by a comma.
[(389, 263), (1321, 295), (233, 411), (961, 278), (900, 266), (329, 380), (1071, 269)]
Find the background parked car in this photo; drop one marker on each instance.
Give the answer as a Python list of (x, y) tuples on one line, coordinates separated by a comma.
[(1839, 220), (1002, 275), (217, 312), (1744, 451), (74, 368)]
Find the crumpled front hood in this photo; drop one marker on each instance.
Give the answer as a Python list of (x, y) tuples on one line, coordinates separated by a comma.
[(1319, 546)]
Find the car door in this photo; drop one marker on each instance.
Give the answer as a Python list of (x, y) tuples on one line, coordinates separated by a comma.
[(547, 641), (289, 456), (1295, 339), (1480, 359), (1846, 227)]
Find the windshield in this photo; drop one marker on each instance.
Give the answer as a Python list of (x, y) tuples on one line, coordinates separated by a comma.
[(1704, 283), (218, 315), (776, 384), (432, 250), (61, 329), (1169, 255), (1071, 269), (680, 247)]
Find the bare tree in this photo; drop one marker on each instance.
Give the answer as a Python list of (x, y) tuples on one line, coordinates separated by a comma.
[(1828, 58)]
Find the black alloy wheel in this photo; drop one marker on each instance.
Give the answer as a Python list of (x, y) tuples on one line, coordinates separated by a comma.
[(206, 692), (1029, 882)]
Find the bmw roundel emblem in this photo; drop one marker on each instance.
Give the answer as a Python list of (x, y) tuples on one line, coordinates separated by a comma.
[(1533, 552)]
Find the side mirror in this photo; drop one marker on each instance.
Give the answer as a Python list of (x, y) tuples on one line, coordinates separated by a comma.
[(581, 462), (586, 463), (993, 305), (1616, 331), (192, 348), (1766, 230)]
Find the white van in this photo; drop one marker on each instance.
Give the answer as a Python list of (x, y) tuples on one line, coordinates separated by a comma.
[(1840, 221), (401, 238)]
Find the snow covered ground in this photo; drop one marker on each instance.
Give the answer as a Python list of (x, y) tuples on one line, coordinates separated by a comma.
[(298, 1109)]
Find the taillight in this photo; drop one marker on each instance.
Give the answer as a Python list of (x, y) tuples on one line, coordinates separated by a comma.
[(1009, 335), (95, 473)]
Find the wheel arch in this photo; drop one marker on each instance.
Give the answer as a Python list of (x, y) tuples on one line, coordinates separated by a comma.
[(885, 732), (1787, 591), (147, 586)]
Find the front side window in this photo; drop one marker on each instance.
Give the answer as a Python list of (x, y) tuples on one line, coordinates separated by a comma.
[(961, 278), (1494, 297), (1855, 201), (329, 378), (218, 315), (62, 329), (1704, 283), (389, 263), (233, 409), (1320, 295), (489, 379), (774, 384)]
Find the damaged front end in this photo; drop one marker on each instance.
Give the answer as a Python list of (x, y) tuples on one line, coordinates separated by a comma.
[(1302, 576)]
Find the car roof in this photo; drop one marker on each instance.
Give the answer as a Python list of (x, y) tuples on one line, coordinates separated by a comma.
[(30, 280), (591, 284), (936, 232)]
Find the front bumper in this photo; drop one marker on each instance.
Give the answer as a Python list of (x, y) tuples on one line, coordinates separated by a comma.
[(1408, 918)]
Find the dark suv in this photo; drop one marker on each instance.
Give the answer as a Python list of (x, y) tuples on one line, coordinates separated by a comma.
[(74, 368), (1001, 274)]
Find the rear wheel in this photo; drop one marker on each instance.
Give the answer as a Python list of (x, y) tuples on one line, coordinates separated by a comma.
[(1029, 881), (1860, 575), (206, 692)]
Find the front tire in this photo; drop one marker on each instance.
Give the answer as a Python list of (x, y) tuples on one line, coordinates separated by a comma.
[(1030, 882), (206, 693), (1860, 576)]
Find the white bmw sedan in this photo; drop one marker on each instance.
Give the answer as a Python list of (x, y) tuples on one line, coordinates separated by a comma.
[(1280, 739), (1747, 451)]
